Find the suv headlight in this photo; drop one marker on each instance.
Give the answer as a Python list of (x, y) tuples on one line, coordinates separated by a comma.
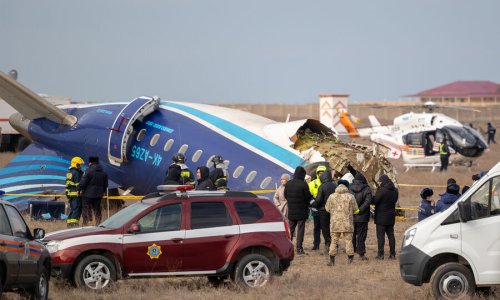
[(52, 246), (409, 237)]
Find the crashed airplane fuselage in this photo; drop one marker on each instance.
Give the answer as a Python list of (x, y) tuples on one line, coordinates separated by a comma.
[(136, 141)]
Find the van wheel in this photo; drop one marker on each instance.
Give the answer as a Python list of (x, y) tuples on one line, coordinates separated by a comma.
[(41, 290), (452, 281), (253, 270), (95, 272)]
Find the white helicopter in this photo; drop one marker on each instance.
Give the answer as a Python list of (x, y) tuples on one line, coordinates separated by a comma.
[(417, 136)]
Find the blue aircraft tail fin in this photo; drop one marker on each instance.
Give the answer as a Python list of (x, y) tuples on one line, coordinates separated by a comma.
[(32, 173)]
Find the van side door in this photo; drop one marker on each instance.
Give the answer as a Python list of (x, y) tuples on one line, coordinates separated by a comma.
[(481, 235)]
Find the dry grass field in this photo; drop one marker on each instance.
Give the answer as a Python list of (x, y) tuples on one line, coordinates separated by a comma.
[(308, 276)]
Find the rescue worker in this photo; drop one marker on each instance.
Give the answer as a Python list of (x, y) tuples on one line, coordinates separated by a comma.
[(444, 155), (363, 195), (173, 175), (447, 199), (298, 197), (313, 188), (385, 201), (426, 208), (325, 190), (73, 178), (491, 133), (204, 182), (219, 174), (186, 174), (92, 187), (342, 206)]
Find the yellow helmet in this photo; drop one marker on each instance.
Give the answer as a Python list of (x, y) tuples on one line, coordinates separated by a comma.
[(77, 162)]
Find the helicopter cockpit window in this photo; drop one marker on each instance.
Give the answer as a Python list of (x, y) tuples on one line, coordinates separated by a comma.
[(439, 136)]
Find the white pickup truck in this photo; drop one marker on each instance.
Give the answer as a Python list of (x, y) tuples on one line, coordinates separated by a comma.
[(457, 250)]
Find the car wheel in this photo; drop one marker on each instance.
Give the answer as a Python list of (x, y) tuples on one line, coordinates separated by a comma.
[(452, 281), (216, 281), (254, 271), (95, 272), (41, 289)]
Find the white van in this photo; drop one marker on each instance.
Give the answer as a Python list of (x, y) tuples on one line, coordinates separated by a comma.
[(459, 249)]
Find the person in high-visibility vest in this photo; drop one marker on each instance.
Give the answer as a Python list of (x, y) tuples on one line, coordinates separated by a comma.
[(314, 188), (444, 154), (73, 177)]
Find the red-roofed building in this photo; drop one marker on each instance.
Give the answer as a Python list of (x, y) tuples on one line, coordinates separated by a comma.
[(463, 93)]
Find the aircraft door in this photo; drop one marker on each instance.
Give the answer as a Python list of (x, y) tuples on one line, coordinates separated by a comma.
[(123, 127)]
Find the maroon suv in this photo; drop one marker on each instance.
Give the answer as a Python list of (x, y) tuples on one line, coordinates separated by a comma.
[(215, 234)]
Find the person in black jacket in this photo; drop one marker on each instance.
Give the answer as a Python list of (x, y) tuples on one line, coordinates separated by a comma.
[(326, 188), (385, 215), (92, 187), (204, 182), (173, 175), (363, 194), (298, 196)]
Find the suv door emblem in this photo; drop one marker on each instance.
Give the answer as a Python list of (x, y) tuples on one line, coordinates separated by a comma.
[(154, 251)]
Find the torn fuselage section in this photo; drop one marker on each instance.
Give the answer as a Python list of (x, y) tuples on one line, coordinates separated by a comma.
[(317, 144)]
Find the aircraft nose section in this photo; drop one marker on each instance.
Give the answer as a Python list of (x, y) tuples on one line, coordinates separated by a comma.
[(21, 124)]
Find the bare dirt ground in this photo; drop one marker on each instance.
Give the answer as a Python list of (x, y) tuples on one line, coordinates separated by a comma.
[(308, 276)]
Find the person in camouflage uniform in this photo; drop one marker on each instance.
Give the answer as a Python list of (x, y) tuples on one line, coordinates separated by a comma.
[(342, 206)]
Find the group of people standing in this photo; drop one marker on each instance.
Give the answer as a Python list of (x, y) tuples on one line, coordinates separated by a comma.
[(342, 209), (428, 206), (179, 174), (85, 190)]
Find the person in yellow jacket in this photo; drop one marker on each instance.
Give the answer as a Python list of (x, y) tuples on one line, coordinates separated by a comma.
[(73, 177), (313, 188)]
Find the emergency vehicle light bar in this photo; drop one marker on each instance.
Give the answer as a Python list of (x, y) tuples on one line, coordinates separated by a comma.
[(172, 188)]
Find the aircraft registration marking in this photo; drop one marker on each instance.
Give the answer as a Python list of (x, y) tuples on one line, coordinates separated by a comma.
[(159, 126), (143, 154)]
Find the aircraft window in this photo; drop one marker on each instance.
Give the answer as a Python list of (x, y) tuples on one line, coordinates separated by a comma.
[(183, 148), (251, 176), (238, 171), (154, 140), (168, 145), (197, 155), (141, 134), (265, 182)]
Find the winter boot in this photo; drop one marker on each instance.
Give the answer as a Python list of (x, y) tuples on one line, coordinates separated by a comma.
[(331, 261), (350, 258)]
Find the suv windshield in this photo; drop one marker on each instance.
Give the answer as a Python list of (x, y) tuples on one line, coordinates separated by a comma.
[(123, 216)]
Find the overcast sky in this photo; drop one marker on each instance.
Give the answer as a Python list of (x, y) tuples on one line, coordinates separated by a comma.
[(248, 51)]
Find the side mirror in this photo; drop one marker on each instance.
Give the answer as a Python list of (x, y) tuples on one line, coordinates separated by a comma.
[(464, 210), (134, 228), (38, 233)]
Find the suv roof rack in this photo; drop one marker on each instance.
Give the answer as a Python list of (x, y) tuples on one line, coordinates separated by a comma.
[(192, 194)]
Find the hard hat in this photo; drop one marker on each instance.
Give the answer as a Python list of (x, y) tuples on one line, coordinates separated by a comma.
[(320, 169), (217, 159), (179, 158), (77, 162)]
